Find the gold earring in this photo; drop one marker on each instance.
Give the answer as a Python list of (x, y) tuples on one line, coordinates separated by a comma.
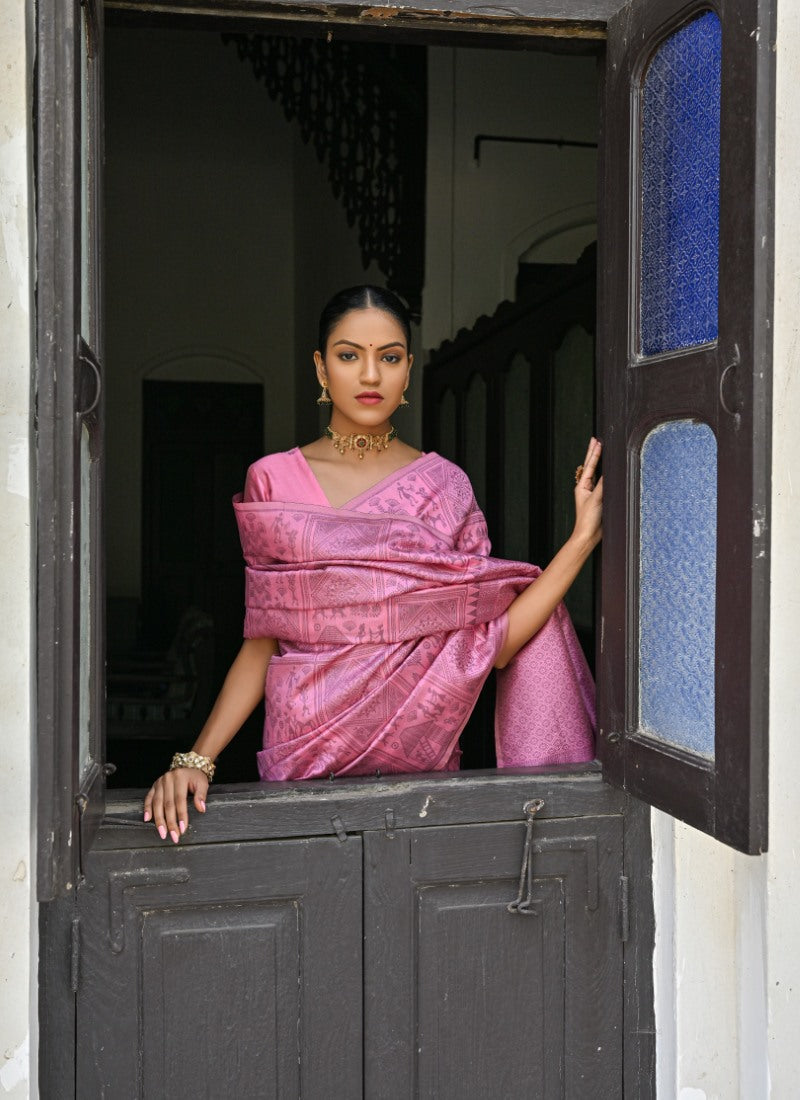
[(403, 402), (324, 397)]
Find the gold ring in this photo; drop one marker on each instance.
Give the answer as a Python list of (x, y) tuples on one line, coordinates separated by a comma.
[(579, 473)]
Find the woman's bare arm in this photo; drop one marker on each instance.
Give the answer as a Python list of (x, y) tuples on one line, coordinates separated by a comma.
[(241, 692), (243, 689), (533, 607)]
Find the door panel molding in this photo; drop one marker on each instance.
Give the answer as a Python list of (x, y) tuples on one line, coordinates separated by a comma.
[(537, 998), (216, 936), (122, 884)]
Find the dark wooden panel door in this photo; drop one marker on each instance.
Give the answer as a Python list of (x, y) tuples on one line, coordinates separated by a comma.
[(198, 438), (464, 999), (228, 970)]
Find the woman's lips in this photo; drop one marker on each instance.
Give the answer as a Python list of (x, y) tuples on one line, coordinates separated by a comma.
[(369, 398)]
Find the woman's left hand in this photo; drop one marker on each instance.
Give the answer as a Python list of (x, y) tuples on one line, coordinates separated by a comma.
[(528, 613), (589, 499)]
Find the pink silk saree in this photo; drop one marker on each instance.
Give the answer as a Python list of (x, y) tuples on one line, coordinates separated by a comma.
[(389, 615)]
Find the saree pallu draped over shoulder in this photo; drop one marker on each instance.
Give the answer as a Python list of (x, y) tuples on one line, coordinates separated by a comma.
[(389, 615)]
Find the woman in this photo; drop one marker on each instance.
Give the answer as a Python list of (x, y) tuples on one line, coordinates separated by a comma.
[(374, 612)]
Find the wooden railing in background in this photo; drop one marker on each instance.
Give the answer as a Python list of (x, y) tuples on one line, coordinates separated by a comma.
[(511, 400)]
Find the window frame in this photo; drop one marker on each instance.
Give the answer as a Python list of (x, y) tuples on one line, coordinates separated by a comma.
[(63, 377), (726, 384)]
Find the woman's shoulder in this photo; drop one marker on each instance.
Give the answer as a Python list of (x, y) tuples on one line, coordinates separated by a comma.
[(263, 473), (276, 460)]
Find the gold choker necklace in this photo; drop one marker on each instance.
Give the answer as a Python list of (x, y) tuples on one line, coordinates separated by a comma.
[(360, 442)]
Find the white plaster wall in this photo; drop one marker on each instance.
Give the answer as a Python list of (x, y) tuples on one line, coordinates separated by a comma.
[(17, 915), (782, 903), (482, 217), (727, 964), (702, 950)]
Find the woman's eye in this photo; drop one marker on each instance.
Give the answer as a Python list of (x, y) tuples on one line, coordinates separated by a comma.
[(390, 357), (347, 356)]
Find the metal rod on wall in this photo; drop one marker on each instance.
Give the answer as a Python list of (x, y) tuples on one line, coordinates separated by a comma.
[(561, 143)]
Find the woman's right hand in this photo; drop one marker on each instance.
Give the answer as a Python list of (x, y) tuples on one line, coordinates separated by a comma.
[(166, 801)]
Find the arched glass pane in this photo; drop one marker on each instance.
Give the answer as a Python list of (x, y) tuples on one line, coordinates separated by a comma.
[(573, 413), (447, 425), (677, 583), (475, 441), (680, 189), (517, 459)]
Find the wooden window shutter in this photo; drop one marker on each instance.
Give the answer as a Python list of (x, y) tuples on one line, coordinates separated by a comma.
[(69, 411), (684, 346)]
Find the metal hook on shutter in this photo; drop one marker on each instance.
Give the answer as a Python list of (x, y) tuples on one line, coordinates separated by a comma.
[(88, 360), (524, 904), (737, 416)]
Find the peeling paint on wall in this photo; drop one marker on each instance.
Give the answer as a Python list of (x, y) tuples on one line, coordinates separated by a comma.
[(17, 468), (15, 1069), (13, 213)]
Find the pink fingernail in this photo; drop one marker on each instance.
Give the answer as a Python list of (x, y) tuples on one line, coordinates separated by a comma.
[(162, 832), (202, 805), (147, 815), (174, 835), (182, 827)]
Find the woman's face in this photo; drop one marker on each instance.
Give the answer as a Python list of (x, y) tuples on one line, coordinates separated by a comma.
[(365, 366)]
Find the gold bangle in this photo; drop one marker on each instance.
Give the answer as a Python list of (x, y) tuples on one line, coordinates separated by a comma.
[(194, 760)]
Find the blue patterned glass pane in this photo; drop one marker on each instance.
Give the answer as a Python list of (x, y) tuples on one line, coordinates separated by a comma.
[(680, 189), (677, 579)]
